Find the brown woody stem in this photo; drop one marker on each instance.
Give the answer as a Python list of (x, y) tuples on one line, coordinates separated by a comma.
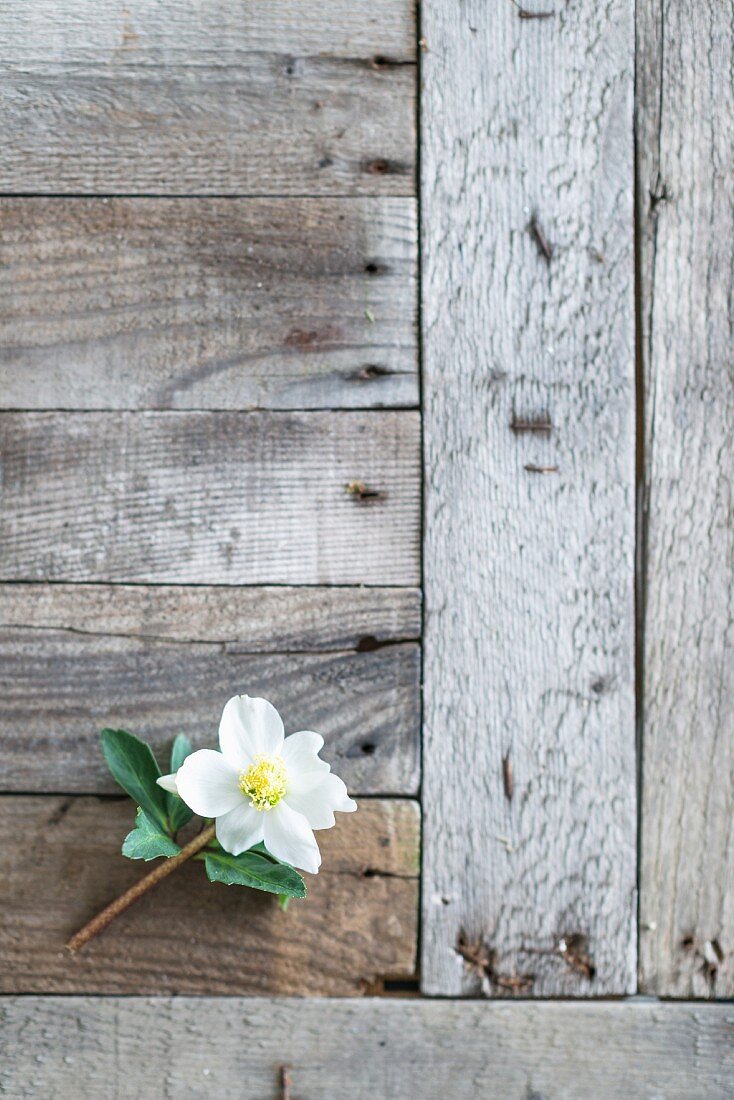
[(99, 923)]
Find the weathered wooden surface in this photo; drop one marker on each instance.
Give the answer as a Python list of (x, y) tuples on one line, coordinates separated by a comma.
[(211, 498), (70, 1047), (685, 121), (530, 474), (358, 924), (205, 304), (60, 685), (275, 619), (285, 97)]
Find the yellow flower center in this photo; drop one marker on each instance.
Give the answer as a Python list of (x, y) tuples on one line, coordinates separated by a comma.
[(264, 782)]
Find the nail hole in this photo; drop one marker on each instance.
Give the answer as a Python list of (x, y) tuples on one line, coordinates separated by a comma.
[(368, 748)]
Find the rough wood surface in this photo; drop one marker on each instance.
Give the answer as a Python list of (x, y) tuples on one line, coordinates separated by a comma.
[(211, 498), (267, 97), (71, 1047), (275, 619), (685, 123), (358, 924), (528, 325), (186, 303), (58, 688)]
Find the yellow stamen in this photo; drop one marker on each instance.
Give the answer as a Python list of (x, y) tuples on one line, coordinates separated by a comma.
[(264, 782)]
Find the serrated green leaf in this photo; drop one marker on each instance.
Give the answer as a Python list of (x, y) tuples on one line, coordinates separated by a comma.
[(147, 840), (135, 768), (256, 871), (178, 812)]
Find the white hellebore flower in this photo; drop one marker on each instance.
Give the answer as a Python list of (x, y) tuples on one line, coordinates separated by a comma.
[(263, 786)]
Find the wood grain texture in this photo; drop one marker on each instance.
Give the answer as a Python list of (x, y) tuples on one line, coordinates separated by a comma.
[(685, 123), (188, 935), (79, 1047), (58, 688), (530, 474), (267, 97), (206, 304), (210, 498), (268, 619)]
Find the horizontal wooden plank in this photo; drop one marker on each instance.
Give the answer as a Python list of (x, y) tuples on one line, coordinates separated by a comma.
[(188, 935), (205, 304), (267, 97), (59, 688), (211, 498), (80, 1047), (264, 619), (685, 127)]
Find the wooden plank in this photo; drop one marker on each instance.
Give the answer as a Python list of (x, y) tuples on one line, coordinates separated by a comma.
[(685, 123), (268, 97), (275, 619), (70, 1047), (206, 304), (191, 936), (211, 498), (59, 688), (530, 474)]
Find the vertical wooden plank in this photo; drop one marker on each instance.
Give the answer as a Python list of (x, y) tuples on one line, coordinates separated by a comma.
[(527, 189), (685, 122)]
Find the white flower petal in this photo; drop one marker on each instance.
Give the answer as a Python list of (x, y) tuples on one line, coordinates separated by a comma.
[(208, 783), (300, 753), (317, 795), (168, 782), (288, 836), (248, 727), (239, 829)]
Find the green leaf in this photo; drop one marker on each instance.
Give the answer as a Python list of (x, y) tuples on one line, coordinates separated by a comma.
[(178, 812), (135, 768), (180, 749), (256, 871), (147, 840)]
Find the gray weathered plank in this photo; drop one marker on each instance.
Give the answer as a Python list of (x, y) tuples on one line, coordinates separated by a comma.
[(530, 473), (267, 97), (138, 303), (685, 124), (80, 1047), (211, 498), (59, 688), (188, 935), (273, 619)]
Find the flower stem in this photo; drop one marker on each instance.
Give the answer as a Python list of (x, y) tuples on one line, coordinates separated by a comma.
[(100, 922)]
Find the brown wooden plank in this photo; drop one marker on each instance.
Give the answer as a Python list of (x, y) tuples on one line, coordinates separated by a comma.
[(272, 619), (79, 1048), (59, 688), (188, 935), (267, 97), (528, 335), (685, 125), (206, 304), (211, 498)]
